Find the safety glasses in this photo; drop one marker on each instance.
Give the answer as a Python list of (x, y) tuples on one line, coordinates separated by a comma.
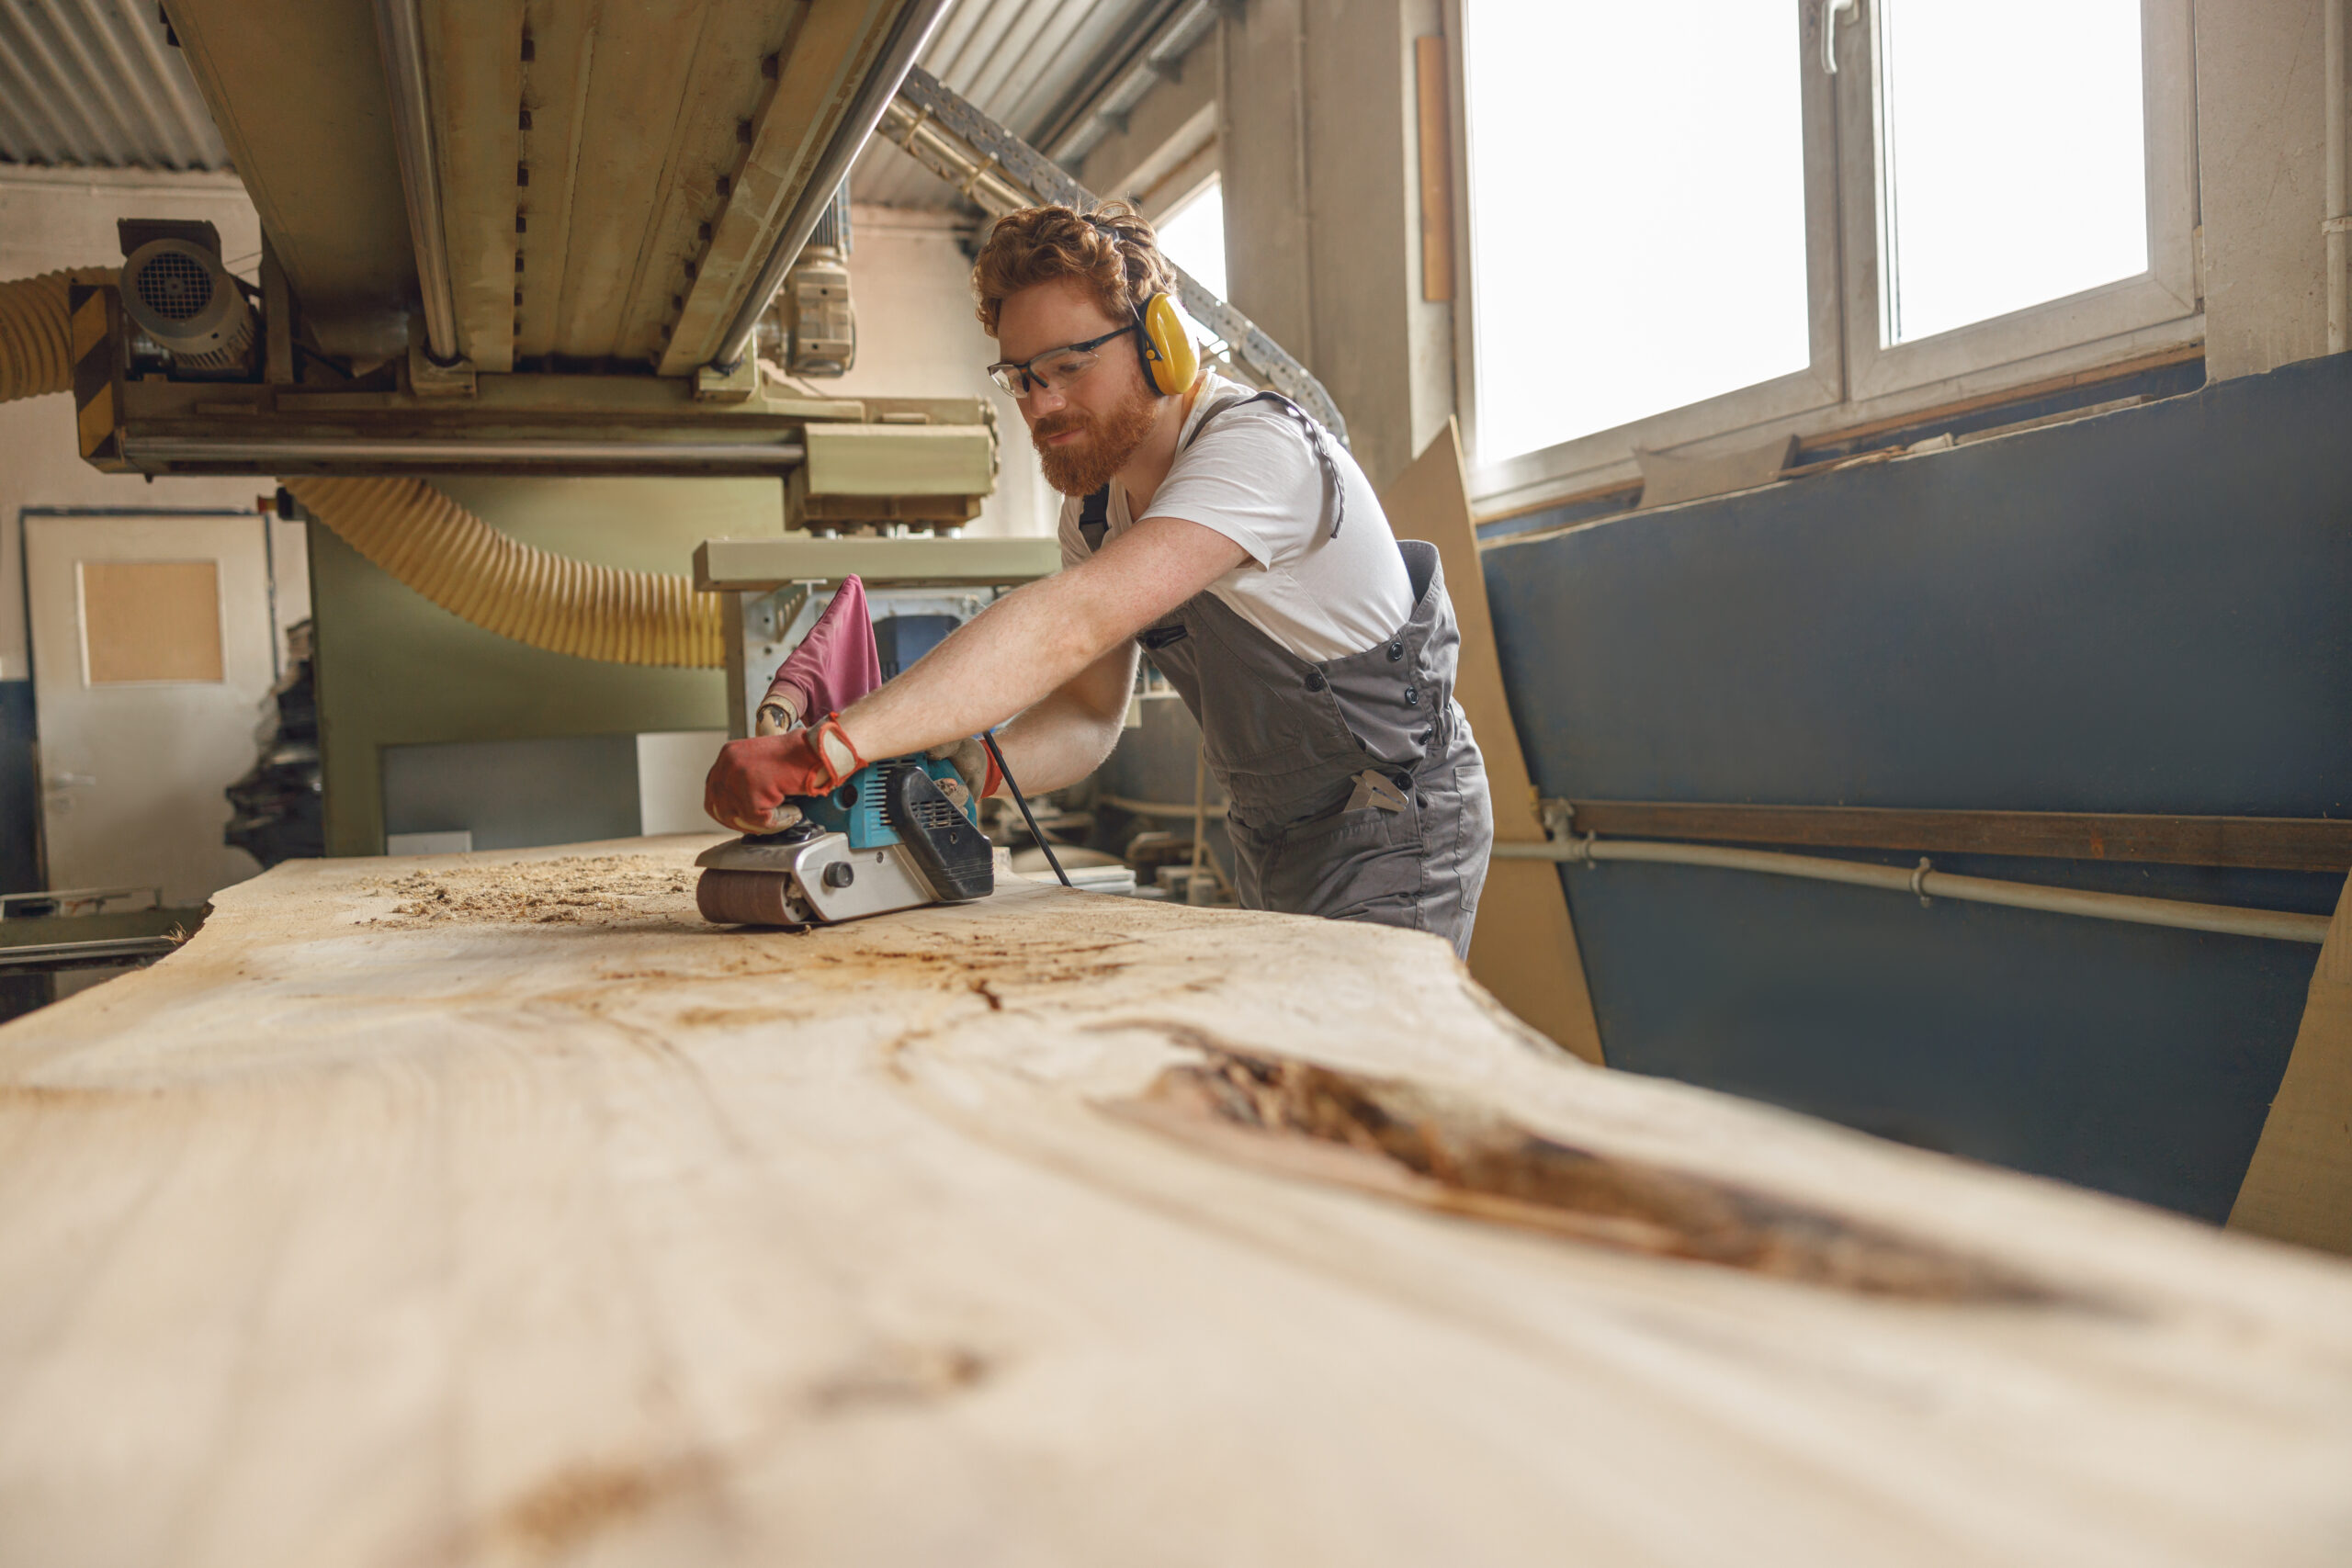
[(1055, 368)]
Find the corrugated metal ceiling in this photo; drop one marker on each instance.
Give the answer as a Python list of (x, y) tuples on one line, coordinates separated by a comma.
[(1025, 62), (93, 82)]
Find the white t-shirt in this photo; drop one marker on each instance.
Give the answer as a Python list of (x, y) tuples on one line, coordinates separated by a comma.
[(1253, 478)]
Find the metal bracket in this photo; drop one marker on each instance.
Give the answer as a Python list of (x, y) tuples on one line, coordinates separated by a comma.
[(427, 380), (740, 385)]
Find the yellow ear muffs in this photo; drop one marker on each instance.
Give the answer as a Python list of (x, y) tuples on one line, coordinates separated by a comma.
[(1170, 359)]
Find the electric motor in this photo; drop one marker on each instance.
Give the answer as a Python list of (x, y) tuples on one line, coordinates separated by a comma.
[(184, 300)]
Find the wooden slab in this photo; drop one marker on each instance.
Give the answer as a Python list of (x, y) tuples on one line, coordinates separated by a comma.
[(1524, 946), (2299, 1185), (494, 1209)]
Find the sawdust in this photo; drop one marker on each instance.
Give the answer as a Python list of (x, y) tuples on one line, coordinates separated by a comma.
[(573, 890)]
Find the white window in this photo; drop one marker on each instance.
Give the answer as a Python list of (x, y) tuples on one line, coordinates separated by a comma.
[(1192, 235), (1722, 223)]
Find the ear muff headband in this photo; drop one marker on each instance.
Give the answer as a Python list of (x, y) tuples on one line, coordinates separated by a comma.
[(1170, 360)]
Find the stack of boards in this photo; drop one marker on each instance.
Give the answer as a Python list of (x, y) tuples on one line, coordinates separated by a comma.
[(495, 1209)]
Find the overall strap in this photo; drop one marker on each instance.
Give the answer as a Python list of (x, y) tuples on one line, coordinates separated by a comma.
[(1317, 438), (1094, 518)]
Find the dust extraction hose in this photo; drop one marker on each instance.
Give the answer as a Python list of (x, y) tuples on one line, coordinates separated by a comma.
[(422, 537), (428, 541), (37, 332)]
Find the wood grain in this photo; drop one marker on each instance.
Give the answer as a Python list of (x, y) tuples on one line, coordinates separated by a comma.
[(1524, 947), (495, 1210), (2278, 844)]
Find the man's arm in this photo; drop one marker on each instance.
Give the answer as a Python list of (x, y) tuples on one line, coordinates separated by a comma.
[(1051, 650)]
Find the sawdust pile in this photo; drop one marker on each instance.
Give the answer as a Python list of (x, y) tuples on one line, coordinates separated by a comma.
[(574, 890)]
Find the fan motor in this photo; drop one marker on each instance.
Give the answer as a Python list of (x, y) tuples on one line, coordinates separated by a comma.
[(184, 300)]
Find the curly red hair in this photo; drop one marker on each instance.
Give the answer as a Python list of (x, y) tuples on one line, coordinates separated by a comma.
[(1111, 249)]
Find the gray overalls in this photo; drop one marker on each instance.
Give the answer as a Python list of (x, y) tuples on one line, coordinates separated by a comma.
[(1356, 790)]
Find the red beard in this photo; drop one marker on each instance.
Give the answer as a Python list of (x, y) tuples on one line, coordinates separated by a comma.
[(1086, 465)]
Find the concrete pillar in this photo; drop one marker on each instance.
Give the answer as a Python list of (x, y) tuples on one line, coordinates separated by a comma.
[(1319, 152), (2261, 169)]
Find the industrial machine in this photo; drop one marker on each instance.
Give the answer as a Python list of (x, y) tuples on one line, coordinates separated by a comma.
[(483, 253)]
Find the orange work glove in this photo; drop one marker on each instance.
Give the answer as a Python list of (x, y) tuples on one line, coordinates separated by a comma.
[(753, 777)]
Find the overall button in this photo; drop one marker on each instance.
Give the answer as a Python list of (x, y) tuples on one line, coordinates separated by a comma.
[(1315, 681), (1396, 652), (1404, 781), (1412, 697)]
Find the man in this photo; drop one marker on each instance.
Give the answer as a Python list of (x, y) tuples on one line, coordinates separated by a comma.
[(1235, 540)]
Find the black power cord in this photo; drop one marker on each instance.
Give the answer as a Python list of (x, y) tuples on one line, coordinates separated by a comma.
[(1023, 801)]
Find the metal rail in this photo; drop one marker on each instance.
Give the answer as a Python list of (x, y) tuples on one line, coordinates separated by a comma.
[(2228, 919), (760, 458), (399, 35), (907, 35), (1000, 172)]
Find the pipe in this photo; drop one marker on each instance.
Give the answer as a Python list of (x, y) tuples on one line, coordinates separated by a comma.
[(2277, 925), (399, 34), (907, 37), (2339, 309), (567, 456), (423, 540), (37, 332)]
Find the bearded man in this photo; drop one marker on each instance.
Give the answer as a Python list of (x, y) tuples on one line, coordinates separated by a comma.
[(1235, 541)]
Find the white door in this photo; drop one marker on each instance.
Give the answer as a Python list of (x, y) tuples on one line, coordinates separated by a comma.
[(151, 642)]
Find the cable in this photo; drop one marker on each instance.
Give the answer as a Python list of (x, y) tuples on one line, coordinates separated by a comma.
[(1022, 801)]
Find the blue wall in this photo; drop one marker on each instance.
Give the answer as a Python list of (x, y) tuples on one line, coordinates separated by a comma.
[(2149, 611)]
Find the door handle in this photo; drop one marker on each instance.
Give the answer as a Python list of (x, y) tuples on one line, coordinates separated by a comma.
[(1831, 10)]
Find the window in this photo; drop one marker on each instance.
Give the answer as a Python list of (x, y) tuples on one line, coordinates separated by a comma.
[(1193, 236), (1727, 221), (1589, 122)]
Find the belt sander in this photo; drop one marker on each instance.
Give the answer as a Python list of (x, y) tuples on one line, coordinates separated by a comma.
[(898, 835)]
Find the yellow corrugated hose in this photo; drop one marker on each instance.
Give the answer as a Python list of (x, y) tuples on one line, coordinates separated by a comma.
[(422, 537), (37, 332), (445, 552)]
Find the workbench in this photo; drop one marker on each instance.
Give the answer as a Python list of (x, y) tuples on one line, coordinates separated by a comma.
[(494, 1209)]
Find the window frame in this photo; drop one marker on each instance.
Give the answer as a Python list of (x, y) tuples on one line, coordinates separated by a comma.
[(2135, 314), (1852, 380)]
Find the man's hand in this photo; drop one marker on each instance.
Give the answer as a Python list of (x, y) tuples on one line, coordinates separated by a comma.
[(972, 764), (777, 714), (753, 778)]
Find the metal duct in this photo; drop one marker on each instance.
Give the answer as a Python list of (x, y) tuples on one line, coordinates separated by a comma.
[(399, 33)]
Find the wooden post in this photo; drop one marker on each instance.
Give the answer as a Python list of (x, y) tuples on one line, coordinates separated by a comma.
[(1524, 946), (2298, 1186)]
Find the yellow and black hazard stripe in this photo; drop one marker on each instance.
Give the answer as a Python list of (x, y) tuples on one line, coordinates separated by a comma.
[(97, 311)]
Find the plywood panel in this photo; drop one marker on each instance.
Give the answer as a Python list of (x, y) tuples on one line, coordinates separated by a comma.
[(150, 620), (1524, 947), (2298, 1186), (495, 1210)]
